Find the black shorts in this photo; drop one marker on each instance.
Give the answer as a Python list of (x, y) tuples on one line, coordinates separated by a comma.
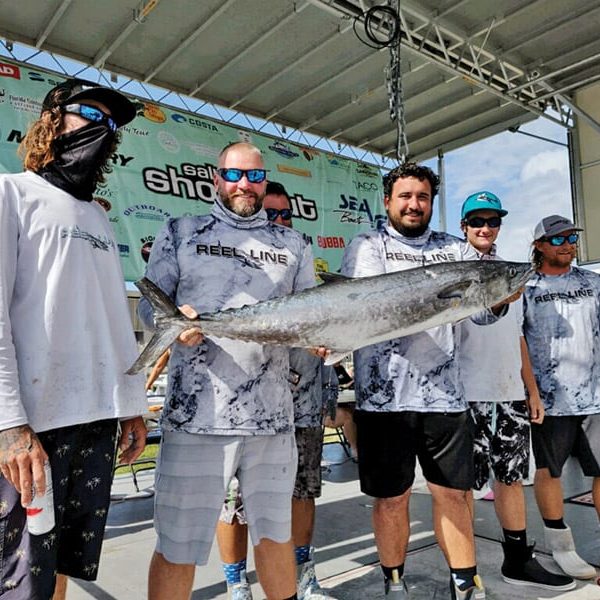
[(557, 438), (389, 443), (82, 461)]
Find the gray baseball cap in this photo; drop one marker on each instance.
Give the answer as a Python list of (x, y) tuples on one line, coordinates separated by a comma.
[(553, 225)]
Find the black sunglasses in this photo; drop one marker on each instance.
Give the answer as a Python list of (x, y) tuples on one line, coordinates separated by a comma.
[(559, 240), (91, 113), (234, 175), (493, 222), (273, 213)]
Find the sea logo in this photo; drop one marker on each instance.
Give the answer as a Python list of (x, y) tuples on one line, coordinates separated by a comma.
[(168, 142), (283, 150), (354, 211), (7, 70)]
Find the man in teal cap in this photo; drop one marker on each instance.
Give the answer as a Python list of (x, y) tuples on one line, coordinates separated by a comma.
[(503, 398)]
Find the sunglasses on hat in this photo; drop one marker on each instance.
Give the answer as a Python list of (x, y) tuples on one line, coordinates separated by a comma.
[(234, 175), (273, 213), (559, 240), (91, 113)]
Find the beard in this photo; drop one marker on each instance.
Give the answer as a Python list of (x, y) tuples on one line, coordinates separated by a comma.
[(412, 230), (244, 204)]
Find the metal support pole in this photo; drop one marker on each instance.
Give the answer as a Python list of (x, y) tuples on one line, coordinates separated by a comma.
[(442, 193)]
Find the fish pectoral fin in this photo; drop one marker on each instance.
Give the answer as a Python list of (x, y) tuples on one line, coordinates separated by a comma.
[(328, 277), (454, 291), (336, 355)]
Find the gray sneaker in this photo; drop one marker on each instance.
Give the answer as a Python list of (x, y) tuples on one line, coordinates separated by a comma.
[(241, 590), (396, 591), (308, 584)]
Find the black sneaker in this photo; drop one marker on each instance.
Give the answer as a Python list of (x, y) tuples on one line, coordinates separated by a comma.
[(522, 568)]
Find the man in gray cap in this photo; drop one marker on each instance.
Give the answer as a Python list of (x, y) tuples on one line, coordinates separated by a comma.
[(560, 306)]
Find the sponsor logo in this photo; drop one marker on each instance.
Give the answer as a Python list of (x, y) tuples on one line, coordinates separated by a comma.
[(15, 136), (103, 202), (194, 182), (123, 250), (426, 259), (331, 241), (283, 150), (358, 212), (310, 154), (366, 186), (146, 247), (24, 104), (338, 163), (244, 136), (264, 256), (149, 212), (195, 122), (7, 70), (294, 171), (570, 296), (120, 159), (321, 265), (40, 78), (168, 142), (364, 169), (2, 95), (154, 113), (135, 130), (203, 150), (304, 208)]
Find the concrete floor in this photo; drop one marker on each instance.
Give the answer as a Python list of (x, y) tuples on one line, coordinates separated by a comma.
[(345, 550)]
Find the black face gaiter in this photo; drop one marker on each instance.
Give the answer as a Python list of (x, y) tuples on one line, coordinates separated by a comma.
[(78, 157)]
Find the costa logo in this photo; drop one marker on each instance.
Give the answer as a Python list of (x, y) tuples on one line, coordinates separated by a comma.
[(7, 70)]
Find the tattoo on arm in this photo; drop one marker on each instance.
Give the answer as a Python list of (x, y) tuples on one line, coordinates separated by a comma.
[(15, 440)]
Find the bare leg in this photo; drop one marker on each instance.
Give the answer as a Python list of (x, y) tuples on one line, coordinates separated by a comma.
[(391, 525), (344, 419), (169, 581), (303, 521), (60, 588), (596, 494), (276, 568), (233, 541), (548, 495), (510, 505), (453, 524)]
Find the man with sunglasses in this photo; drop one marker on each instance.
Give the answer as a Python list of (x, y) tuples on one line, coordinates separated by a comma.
[(229, 410), (314, 388), (561, 304), (410, 399), (493, 378), (67, 340)]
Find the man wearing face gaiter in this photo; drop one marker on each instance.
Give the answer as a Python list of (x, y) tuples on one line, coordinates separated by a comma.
[(65, 342)]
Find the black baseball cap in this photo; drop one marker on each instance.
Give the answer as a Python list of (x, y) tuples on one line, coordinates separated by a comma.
[(122, 109)]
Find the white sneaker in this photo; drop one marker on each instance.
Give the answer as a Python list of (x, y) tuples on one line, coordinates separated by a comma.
[(239, 591), (308, 584), (560, 542)]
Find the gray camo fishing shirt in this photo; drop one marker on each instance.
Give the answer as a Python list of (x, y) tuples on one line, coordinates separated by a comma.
[(561, 323), (417, 372), (215, 262)]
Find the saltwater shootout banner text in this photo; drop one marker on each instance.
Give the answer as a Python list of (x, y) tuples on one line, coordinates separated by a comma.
[(164, 168)]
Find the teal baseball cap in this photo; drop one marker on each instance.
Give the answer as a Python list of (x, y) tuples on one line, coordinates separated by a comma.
[(482, 201)]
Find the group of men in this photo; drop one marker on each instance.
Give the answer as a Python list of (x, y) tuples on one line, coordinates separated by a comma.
[(448, 396)]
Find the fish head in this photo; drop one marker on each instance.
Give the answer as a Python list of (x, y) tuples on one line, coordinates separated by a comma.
[(499, 280)]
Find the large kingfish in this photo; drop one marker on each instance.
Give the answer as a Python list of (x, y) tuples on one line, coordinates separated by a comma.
[(344, 314)]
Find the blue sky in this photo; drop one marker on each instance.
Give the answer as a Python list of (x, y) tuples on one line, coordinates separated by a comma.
[(530, 176)]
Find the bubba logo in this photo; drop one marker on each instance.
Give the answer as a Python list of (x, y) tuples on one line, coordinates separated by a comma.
[(7, 70), (332, 241)]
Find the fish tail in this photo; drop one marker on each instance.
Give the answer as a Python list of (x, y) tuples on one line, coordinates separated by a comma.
[(158, 344), (161, 304)]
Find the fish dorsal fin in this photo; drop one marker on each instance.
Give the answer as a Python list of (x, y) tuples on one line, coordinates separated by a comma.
[(161, 304), (454, 291), (328, 277)]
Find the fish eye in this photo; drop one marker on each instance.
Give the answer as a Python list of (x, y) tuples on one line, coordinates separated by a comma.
[(512, 271)]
